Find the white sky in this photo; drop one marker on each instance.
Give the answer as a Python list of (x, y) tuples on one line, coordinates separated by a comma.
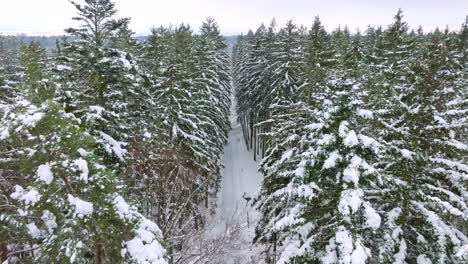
[(235, 16)]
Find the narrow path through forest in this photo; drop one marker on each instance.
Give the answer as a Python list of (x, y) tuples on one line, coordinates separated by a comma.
[(229, 232), (240, 174), (240, 180)]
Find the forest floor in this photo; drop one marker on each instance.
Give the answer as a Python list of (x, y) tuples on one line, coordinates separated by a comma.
[(230, 230)]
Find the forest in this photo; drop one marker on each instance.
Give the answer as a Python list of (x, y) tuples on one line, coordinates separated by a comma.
[(114, 148)]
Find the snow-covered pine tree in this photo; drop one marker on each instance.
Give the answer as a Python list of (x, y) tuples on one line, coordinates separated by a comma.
[(212, 92), (320, 53), (242, 64), (287, 116), (323, 213), (69, 203), (100, 85), (190, 84), (426, 213)]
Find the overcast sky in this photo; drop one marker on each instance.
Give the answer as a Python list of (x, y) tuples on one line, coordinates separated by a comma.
[(236, 16)]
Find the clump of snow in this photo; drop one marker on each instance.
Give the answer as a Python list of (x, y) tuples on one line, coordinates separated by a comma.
[(30, 197), (351, 174), (367, 141), (33, 230), (49, 220), (365, 113), (63, 68), (44, 173), (343, 129), (407, 154), (351, 139), (126, 63), (350, 201), (400, 256), (315, 126), (144, 248), (147, 135), (344, 242), (286, 155), (83, 152), (373, 219), (31, 120), (4, 133), (330, 256), (290, 219), (122, 207), (83, 167), (113, 146), (97, 109), (462, 252), (82, 208), (422, 259), (330, 162), (360, 253)]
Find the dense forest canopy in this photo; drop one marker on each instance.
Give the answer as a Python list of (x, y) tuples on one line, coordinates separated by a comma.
[(111, 144)]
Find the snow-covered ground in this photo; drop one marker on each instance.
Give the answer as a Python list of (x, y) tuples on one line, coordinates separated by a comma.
[(240, 179), (229, 232)]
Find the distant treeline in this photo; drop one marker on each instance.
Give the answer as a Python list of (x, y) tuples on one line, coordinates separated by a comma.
[(49, 42)]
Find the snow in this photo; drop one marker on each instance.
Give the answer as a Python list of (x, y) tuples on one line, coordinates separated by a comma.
[(144, 248), (240, 174), (401, 254), (83, 167), (373, 219), (351, 139), (351, 174), (83, 152), (326, 139), (360, 253), (292, 218), (365, 113), (147, 135), (407, 154), (33, 230), (315, 126), (4, 133), (44, 173), (82, 208), (343, 129), (330, 256), (330, 162), (49, 220), (31, 120), (122, 207), (234, 218), (63, 68), (126, 63), (367, 141), (97, 109), (113, 146), (286, 155), (462, 252), (350, 201), (422, 259), (344, 242), (30, 197)]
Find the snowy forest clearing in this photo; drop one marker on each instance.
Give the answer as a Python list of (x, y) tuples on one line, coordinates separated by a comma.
[(114, 150)]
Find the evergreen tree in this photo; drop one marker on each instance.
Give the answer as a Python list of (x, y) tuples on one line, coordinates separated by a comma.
[(70, 204)]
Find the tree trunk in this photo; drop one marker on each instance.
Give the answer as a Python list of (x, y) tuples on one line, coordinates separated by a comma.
[(3, 251), (98, 252), (255, 142)]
